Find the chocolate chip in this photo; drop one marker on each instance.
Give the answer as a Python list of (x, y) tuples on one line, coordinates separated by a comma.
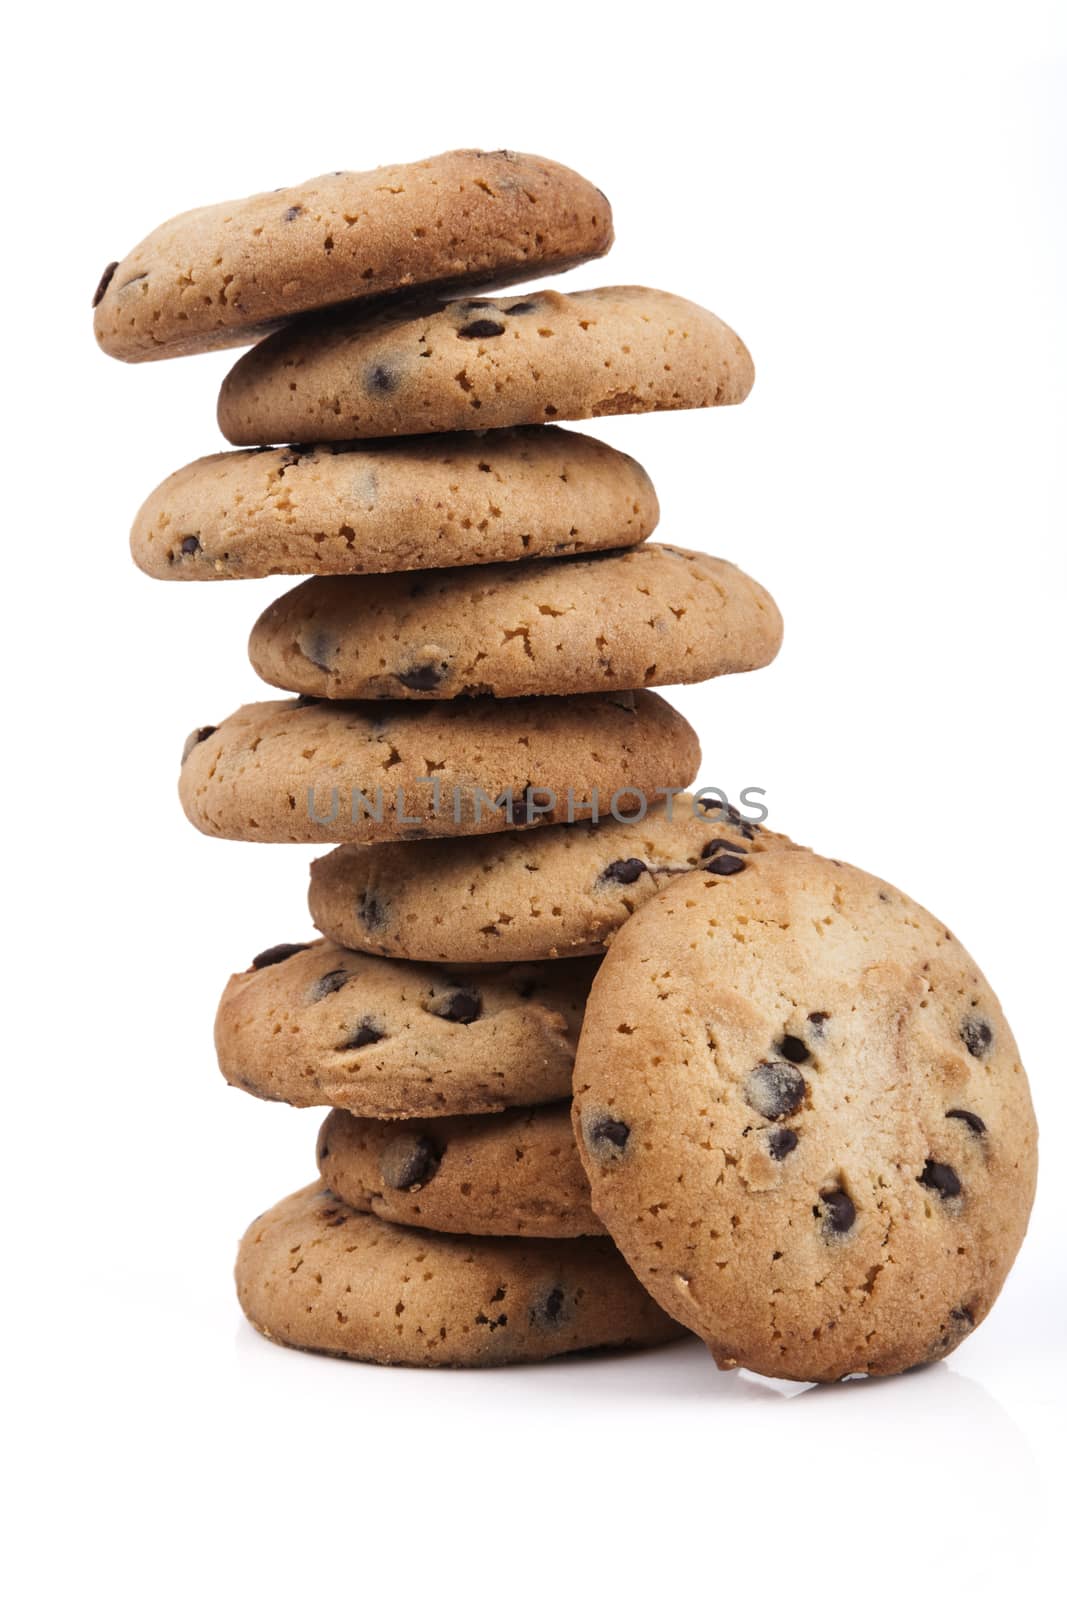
[(189, 545), (197, 736), (606, 1133), (976, 1035), (523, 308), (944, 1179), (462, 1005), (549, 1310), (292, 213), (971, 1118), (818, 1020), (713, 847), (422, 678), (102, 286), (330, 982), (380, 379), (366, 1033), (774, 1089), (475, 305), (371, 911), (627, 871), (481, 328), (792, 1048), (962, 1314), (519, 809), (837, 1211), (409, 1162), (729, 813), (276, 953), (781, 1142), (725, 866)]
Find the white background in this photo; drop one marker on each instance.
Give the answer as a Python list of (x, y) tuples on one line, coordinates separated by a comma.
[(873, 198)]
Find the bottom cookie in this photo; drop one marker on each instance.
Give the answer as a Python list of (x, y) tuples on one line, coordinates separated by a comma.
[(316, 1275)]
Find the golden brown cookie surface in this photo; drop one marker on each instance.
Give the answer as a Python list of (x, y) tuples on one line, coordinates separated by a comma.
[(529, 896), (321, 772), (633, 619), (222, 275), (316, 1025), (484, 363), (514, 1172), (392, 506), (315, 1274), (804, 1119)]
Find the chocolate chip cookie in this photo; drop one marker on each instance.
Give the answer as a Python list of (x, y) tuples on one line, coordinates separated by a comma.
[(393, 505), (632, 619), (315, 1274), (315, 1025), (333, 771), (542, 357), (557, 891), (517, 1172), (804, 1119), (222, 275)]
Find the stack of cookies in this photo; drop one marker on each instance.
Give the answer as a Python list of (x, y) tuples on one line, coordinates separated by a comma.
[(798, 1124)]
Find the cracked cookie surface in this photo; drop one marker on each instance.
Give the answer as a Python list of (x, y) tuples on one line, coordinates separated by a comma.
[(484, 363), (516, 1172), (321, 772), (531, 896), (804, 1119), (391, 506), (314, 1274), (315, 1025), (628, 620), (223, 275)]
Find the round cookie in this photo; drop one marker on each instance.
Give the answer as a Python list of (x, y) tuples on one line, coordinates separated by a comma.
[(393, 505), (222, 275), (514, 1173), (447, 365), (315, 1274), (804, 1119), (533, 896), (295, 771), (619, 620), (315, 1025)]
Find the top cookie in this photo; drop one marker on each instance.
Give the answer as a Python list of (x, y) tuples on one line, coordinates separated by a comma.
[(831, 1166), (223, 275), (365, 373), (393, 505)]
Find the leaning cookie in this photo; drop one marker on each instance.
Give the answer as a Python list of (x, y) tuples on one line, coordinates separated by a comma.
[(295, 771), (365, 374), (831, 1167), (633, 619), (222, 275), (314, 1274), (392, 506), (315, 1025), (514, 1173), (532, 896)]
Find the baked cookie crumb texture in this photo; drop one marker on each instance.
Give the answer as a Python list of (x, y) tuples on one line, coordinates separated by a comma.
[(225, 274), (633, 619), (804, 1119), (483, 363), (514, 1173), (391, 506), (315, 1274), (316, 1025)]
